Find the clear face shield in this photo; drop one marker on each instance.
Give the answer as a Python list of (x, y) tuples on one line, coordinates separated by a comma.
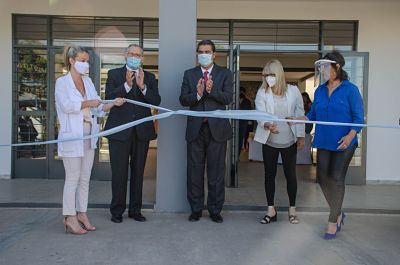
[(322, 71)]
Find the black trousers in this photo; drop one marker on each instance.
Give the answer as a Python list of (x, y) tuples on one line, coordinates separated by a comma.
[(205, 150), (270, 156), (331, 172), (242, 136), (124, 154)]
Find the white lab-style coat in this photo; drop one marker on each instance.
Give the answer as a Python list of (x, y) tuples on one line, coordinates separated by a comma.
[(70, 115), (265, 102)]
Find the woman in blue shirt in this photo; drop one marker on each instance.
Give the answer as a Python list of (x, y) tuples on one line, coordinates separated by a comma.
[(337, 100)]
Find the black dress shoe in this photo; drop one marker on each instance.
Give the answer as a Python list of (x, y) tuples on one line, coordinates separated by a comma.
[(116, 219), (137, 217), (217, 218), (195, 216)]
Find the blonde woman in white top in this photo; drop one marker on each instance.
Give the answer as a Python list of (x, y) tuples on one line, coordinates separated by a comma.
[(282, 100), (78, 106)]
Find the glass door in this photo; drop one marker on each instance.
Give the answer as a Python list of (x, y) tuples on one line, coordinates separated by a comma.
[(357, 68), (30, 112), (56, 70), (105, 59)]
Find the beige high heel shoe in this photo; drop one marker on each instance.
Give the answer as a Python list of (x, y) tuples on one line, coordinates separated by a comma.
[(84, 221), (72, 226)]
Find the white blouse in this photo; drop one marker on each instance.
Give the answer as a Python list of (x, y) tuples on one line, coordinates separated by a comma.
[(71, 117), (265, 102)]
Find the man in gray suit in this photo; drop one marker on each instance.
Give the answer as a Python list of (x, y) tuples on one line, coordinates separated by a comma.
[(206, 87)]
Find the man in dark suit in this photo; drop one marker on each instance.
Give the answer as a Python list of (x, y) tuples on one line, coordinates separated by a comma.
[(205, 88), (129, 147)]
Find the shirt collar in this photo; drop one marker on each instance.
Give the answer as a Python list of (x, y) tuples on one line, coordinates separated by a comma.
[(208, 70)]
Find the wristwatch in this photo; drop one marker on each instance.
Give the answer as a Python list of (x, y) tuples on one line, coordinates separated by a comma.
[(144, 87)]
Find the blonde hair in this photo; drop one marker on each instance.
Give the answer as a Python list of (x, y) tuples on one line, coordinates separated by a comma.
[(71, 51), (275, 67)]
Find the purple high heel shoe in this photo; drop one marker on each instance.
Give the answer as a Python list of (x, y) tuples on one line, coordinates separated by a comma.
[(339, 225), (329, 236)]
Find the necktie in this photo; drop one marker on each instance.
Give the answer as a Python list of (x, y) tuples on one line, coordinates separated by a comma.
[(205, 78)]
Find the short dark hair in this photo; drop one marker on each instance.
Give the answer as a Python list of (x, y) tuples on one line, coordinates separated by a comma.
[(339, 59), (206, 42)]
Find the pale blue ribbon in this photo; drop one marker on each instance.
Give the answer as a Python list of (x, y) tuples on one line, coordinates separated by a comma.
[(254, 115)]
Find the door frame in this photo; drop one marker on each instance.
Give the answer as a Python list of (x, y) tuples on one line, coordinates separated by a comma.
[(232, 158)]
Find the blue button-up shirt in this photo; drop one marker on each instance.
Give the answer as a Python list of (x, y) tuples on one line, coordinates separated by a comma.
[(344, 105)]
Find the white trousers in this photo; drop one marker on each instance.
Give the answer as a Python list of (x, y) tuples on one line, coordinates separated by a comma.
[(77, 176)]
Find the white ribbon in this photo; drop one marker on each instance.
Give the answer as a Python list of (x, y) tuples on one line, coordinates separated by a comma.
[(254, 115)]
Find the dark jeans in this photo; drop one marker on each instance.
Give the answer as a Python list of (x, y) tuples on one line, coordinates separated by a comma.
[(331, 172), (270, 156)]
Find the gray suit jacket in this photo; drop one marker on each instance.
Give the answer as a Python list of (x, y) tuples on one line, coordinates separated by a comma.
[(219, 97)]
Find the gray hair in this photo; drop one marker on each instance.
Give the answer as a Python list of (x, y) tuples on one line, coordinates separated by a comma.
[(71, 51), (133, 45)]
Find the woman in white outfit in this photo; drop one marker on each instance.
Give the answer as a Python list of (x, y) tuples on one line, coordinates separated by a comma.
[(78, 106), (282, 100)]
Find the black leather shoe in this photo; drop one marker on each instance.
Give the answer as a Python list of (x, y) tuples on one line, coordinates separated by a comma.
[(116, 219), (217, 218), (195, 216), (137, 217)]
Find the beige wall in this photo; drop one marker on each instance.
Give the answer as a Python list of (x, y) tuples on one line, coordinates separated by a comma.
[(379, 34)]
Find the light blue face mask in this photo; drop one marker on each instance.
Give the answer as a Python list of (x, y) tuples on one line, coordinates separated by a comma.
[(204, 59), (133, 62)]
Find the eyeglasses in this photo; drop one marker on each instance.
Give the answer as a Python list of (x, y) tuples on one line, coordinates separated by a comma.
[(131, 54)]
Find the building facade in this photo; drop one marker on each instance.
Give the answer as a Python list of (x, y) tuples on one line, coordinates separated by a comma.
[(297, 32)]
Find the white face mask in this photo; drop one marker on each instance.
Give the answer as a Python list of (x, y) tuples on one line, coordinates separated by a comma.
[(82, 67), (271, 80), (204, 59)]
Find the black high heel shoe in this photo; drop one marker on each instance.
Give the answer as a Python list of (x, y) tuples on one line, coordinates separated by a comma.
[(268, 219)]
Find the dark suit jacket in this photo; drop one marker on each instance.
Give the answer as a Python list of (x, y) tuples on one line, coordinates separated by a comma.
[(130, 112), (220, 96)]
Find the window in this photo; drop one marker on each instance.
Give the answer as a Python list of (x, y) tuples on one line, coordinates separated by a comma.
[(276, 36), (30, 30), (150, 34), (218, 32), (339, 36)]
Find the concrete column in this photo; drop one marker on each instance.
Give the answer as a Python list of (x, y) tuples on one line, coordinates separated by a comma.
[(6, 88), (177, 34)]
